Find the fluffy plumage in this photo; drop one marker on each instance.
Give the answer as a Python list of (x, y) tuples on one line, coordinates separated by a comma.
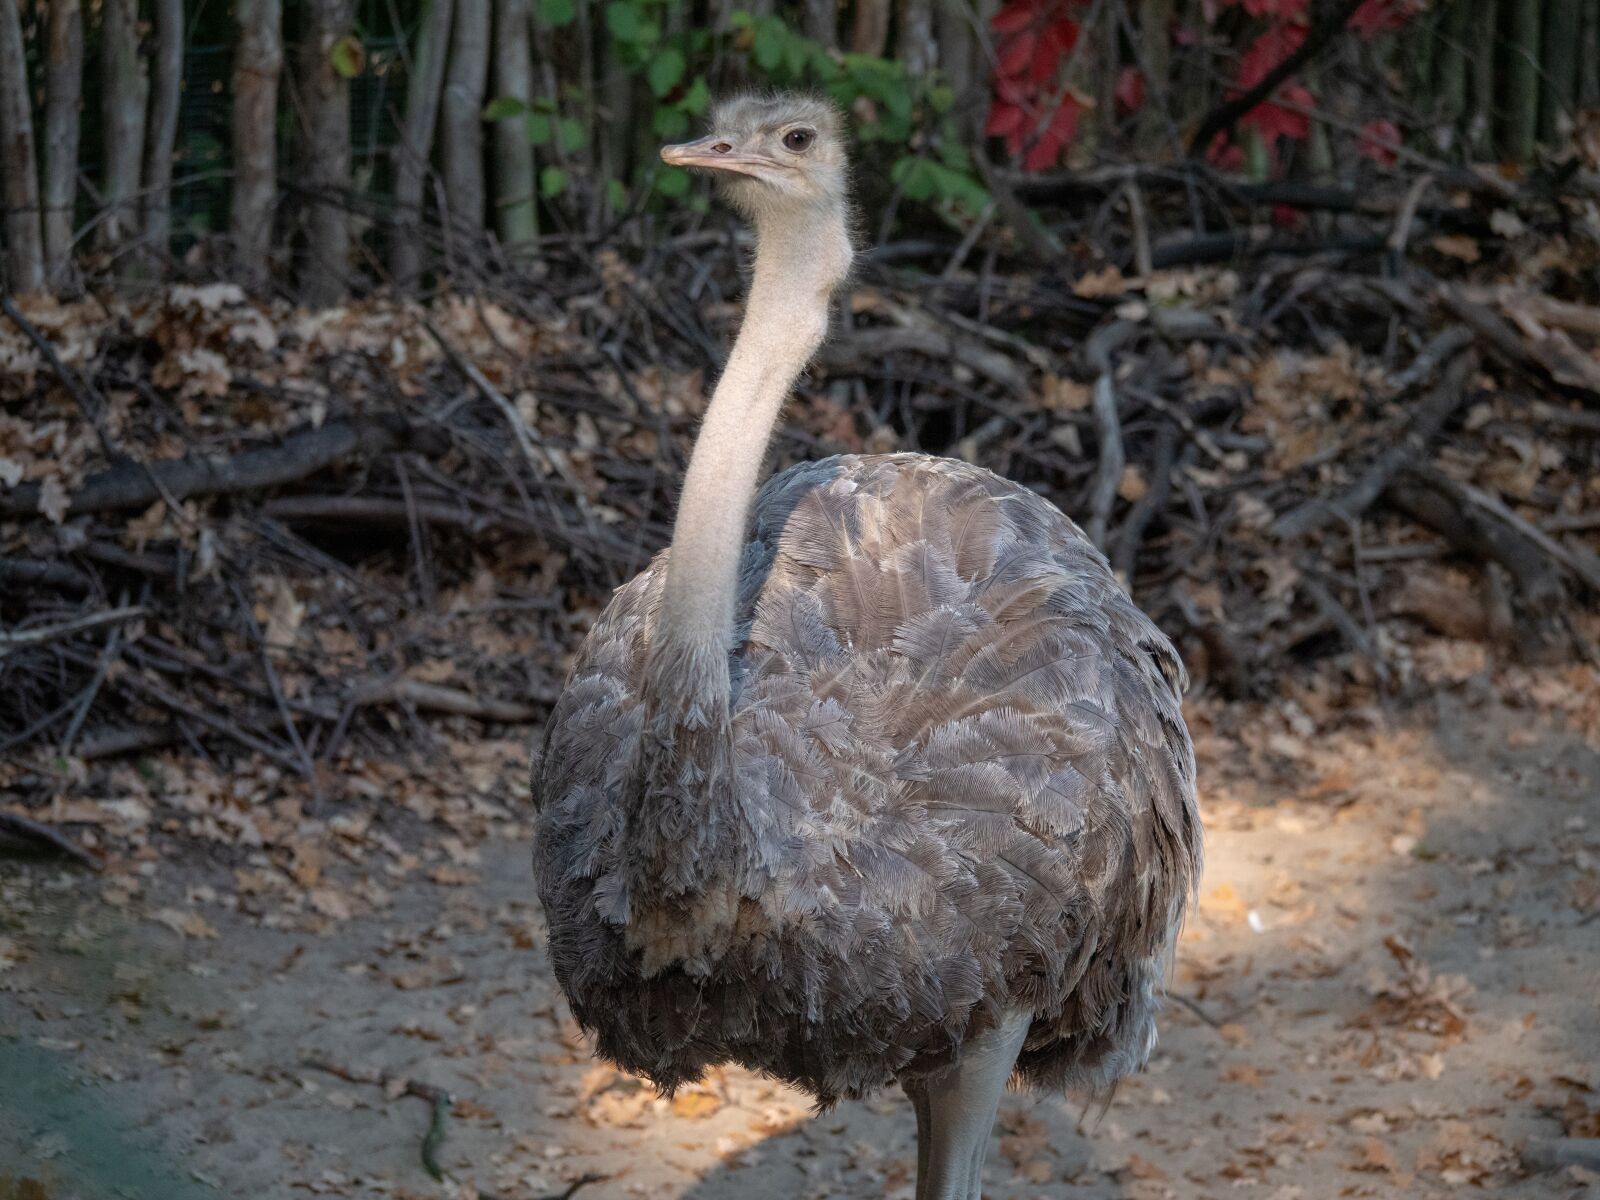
[(958, 783)]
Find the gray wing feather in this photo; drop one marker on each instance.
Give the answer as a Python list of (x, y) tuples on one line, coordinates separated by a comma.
[(964, 764)]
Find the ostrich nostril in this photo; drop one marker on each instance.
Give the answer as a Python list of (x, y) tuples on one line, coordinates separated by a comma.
[(722, 147)]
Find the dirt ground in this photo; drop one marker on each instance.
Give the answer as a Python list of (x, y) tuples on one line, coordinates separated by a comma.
[(1389, 985)]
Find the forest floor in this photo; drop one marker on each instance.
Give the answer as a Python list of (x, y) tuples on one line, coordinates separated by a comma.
[(1388, 987)]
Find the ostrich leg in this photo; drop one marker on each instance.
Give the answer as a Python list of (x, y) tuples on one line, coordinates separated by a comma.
[(956, 1112)]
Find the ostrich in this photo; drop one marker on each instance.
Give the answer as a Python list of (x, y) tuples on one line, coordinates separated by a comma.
[(875, 775)]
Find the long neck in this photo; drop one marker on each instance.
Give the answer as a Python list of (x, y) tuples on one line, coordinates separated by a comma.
[(688, 831), (799, 261)]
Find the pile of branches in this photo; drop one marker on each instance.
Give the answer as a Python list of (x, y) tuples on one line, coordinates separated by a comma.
[(238, 530)]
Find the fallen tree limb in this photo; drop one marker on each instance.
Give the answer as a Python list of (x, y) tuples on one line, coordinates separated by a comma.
[(136, 485), (391, 512), (435, 697), (28, 572), (1436, 408), (24, 639), (868, 348), (1442, 504), (1551, 358)]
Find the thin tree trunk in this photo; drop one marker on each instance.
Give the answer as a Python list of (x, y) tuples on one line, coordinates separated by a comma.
[(256, 72), (1155, 30), (1485, 40), (325, 149), (1450, 61), (462, 144), (953, 21), (618, 83), (1589, 59), (24, 245), (416, 141), (1563, 27), (63, 74), (516, 211), (123, 89), (822, 22), (871, 33), (914, 44), (1521, 120), (163, 129)]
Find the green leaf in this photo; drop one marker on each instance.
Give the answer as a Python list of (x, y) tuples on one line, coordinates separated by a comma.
[(625, 21), (917, 177), (348, 56), (665, 70), (572, 135), (670, 122), (616, 195), (552, 182), (771, 35), (539, 129), (941, 97), (557, 13), (740, 20), (697, 99), (503, 108), (672, 182)]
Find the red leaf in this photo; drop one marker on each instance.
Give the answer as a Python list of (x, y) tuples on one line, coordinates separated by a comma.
[(1381, 16), (1267, 51), (1283, 10), (1004, 119), (1229, 156), (1130, 91), (1015, 17), (1063, 35), (1378, 141), (1016, 52), (1044, 154)]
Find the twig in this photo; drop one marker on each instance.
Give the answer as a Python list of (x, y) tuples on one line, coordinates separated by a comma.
[(1108, 427), (538, 458), (1157, 488), (440, 1102), (1339, 617), (27, 827), (1400, 235), (1139, 219), (1431, 415), (307, 767), (1441, 348), (158, 694), (113, 643), (10, 643)]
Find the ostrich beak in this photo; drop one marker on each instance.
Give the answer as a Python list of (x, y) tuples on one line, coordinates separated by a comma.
[(715, 153)]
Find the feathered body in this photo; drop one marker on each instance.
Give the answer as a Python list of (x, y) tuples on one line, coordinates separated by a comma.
[(956, 783)]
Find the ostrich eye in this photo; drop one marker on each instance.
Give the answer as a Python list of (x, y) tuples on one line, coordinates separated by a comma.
[(798, 139)]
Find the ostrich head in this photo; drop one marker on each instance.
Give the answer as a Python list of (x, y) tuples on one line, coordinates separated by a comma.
[(777, 157)]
